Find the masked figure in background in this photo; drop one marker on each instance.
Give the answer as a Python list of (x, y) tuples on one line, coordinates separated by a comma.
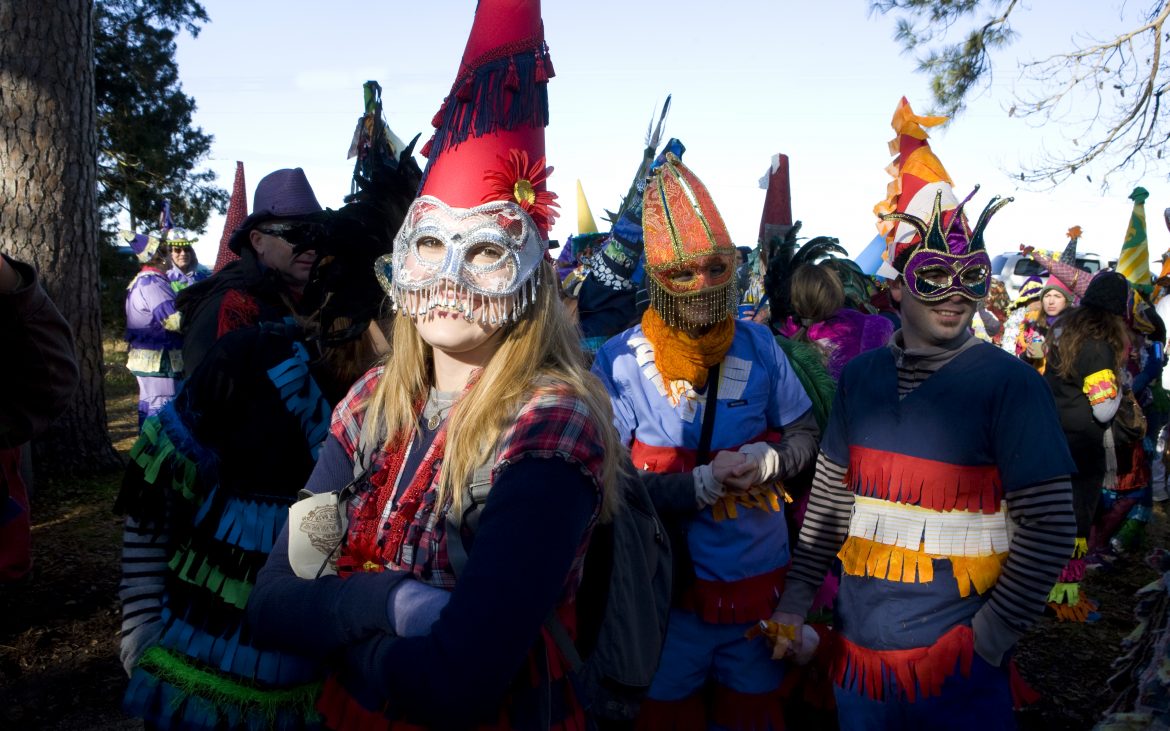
[(716, 419), (277, 246), (185, 267), (213, 474), (152, 327)]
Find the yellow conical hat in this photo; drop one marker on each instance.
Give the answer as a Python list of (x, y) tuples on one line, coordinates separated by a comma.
[(585, 222)]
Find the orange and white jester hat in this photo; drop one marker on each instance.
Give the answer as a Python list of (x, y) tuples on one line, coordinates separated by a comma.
[(475, 237), (682, 229), (918, 177)]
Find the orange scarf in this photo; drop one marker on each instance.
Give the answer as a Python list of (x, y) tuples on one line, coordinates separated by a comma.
[(679, 356)]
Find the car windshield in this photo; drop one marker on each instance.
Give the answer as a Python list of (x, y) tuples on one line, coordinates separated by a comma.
[(1028, 268), (1091, 266)]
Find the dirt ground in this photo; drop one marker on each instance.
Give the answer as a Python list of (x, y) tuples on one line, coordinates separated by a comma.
[(58, 630)]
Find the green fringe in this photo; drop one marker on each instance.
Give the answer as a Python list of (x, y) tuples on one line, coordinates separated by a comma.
[(1062, 593), (810, 369), (218, 689), (154, 450), (198, 570)]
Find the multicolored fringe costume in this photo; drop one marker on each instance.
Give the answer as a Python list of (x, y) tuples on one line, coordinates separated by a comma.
[(738, 546), (928, 514), (152, 331), (206, 495)]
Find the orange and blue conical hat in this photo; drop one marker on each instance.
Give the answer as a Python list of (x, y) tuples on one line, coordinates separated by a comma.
[(489, 138)]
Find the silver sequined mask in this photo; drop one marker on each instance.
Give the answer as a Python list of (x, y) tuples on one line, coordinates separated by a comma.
[(482, 261)]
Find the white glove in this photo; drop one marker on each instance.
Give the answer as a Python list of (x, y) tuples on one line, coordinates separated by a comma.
[(767, 461), (707, 489)]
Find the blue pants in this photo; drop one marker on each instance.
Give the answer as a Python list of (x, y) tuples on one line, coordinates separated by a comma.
[(981, 702), (696, 651)]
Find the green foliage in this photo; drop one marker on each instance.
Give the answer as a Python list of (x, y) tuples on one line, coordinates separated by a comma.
[(148, 148), (116, 269), (956, 68)]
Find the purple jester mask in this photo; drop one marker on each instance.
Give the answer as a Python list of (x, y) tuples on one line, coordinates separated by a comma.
[(932, 276), (948, 262)]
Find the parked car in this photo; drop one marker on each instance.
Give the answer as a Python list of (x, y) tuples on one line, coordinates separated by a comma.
[(1014, 269)]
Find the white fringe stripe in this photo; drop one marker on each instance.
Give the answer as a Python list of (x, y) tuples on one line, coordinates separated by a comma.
[(953, 533)]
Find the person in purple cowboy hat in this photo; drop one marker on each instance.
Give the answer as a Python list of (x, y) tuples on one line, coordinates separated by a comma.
[(152, 326), (276, 245)]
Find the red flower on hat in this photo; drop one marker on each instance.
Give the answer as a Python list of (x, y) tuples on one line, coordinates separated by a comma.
[(517, 180)]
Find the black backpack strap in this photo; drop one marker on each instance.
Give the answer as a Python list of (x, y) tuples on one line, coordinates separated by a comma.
[(703, 455)]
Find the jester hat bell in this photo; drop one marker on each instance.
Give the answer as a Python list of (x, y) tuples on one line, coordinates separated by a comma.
[(485, 179), (683, 230)]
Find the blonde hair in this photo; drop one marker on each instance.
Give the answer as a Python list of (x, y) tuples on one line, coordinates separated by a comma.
[(541, 349)]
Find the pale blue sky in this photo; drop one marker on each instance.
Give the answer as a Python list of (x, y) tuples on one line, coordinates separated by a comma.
[(279, 85)]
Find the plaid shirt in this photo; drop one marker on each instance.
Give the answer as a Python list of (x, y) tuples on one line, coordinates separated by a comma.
[(552, 423)]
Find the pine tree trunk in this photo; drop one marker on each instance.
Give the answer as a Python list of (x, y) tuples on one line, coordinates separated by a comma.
[(48, 208)]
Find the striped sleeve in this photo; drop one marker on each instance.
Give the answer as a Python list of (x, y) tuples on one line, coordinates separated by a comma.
[(826, 524), (1045, 530), (144, 570)]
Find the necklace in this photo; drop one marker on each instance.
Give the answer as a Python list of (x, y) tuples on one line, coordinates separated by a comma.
[(436, 408), (434, 419)]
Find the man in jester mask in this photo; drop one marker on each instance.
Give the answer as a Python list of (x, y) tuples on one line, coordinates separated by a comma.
[(942, 484), (716, 419)]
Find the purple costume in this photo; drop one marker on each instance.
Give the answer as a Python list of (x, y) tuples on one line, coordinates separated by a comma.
[(844, 336), (180, 280), (152, 330)]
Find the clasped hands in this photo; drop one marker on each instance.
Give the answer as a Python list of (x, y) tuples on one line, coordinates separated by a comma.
[(736, 471)]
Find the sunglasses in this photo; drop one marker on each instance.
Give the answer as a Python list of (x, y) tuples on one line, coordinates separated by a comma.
[(298, 235)]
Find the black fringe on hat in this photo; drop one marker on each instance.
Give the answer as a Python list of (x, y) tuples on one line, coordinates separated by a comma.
[(503, 93)]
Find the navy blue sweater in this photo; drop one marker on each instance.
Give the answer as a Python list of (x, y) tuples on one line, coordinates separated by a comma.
[(459, 674)]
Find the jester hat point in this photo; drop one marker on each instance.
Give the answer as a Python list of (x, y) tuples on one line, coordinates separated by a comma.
[(475, 237), (946, 259)]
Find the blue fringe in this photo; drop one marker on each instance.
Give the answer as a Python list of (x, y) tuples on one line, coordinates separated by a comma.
[(302, 397), (251, 525), (176, 429), (234, 656)]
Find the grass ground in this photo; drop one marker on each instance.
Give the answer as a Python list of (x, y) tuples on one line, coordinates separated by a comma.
[(58, 630)]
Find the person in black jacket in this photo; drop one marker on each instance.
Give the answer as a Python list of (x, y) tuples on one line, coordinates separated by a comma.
[(277, 246), (39, 374)]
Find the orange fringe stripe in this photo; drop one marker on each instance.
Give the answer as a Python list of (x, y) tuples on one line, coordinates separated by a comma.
[(924, 482), (917, 670), (1078, 612), (863, 557)]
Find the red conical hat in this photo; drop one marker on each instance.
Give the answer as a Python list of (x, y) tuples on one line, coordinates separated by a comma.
[(236, 213), (489, 141), (777, 216)]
